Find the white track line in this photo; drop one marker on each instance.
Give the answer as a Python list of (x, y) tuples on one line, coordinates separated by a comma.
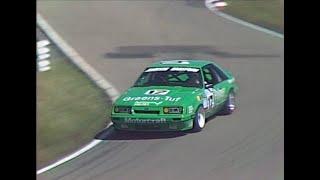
[(253, 26), (82, 150), (101, 82), (77, 59)]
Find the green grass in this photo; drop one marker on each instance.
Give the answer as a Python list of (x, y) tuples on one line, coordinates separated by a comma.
[(266, 13), (70, 109)]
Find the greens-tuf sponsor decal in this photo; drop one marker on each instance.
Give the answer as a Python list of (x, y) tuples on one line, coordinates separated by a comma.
[(152, 98)]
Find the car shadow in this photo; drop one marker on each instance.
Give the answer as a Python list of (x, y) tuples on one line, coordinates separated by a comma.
[(211, 118), (112, 134)]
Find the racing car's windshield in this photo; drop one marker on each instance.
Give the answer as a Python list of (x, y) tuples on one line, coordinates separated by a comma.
[(170, 76)]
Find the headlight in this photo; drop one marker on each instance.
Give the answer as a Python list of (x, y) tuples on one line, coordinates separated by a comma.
[(172, 110), (122, 109)]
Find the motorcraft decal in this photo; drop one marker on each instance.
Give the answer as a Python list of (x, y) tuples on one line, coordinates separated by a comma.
[(146, 103), (146, 121)]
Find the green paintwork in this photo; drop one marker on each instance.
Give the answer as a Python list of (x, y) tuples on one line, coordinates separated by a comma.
[(147, 108)]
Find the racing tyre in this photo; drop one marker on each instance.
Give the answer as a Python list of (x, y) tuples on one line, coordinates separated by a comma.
[(199, 120), (229, 105)]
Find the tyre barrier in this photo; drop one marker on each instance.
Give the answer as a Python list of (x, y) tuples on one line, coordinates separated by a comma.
[(215, 4), (43, 64)]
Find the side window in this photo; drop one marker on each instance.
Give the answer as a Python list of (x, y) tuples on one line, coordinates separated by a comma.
[(209, 76), (213, 75), (219, 72)]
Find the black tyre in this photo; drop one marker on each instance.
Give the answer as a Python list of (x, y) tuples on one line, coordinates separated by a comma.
[(229, 105), (199, 120)]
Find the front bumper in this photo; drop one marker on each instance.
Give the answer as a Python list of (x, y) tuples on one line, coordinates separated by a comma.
[(159, 123)]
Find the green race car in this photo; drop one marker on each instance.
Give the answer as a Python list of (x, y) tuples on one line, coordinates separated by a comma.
[(175, 95)]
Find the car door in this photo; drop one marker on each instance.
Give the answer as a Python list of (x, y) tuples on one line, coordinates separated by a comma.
[(216, 93), (223, 85)]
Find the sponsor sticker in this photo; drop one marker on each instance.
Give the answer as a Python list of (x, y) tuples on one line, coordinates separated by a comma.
[(146, 103), (156, 69), (157, 92), (184, 69), (152, 98), (175, 62), (190, 109)]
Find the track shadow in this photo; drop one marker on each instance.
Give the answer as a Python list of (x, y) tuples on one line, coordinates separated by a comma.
[(133, 52), (195, 3)]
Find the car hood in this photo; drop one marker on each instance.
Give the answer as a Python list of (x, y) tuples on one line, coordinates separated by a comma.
[(158, 96)]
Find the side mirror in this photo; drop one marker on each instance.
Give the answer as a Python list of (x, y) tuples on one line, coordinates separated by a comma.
[(209, 86)]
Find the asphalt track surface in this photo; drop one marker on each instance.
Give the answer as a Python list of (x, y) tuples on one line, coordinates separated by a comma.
[(120, 38)]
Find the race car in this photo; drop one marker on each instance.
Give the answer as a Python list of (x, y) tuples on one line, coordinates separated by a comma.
[(175, 95)]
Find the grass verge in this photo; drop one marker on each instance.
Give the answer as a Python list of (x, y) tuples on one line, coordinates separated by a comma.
[(265, 13), (70, 109)]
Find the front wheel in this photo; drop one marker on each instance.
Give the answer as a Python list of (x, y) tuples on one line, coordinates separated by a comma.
[(199, 120)]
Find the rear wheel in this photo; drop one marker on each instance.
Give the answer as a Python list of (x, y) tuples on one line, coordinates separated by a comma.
[(229, 105), (199, 120)]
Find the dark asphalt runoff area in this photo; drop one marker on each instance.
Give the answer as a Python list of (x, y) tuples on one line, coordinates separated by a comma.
[(120, 38)]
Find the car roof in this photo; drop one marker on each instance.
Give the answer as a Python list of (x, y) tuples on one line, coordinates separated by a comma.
[(181, 63)]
